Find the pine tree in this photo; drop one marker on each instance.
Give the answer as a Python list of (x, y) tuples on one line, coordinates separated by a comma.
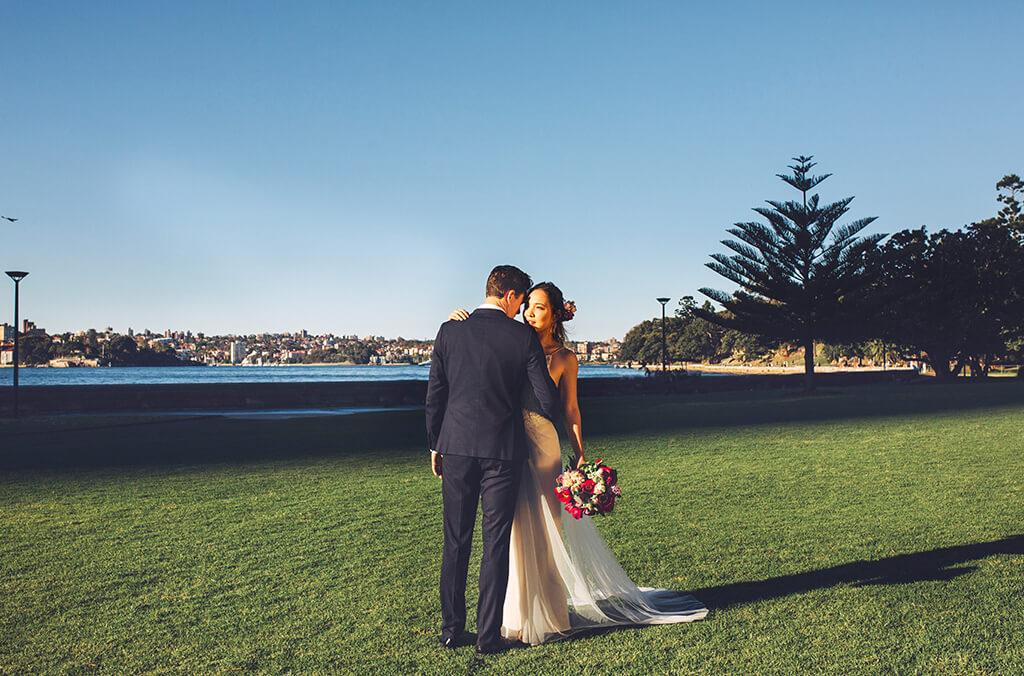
[(799, 274), (1012, 214)]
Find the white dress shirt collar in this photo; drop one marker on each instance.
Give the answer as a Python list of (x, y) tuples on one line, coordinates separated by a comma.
[(489, 306)]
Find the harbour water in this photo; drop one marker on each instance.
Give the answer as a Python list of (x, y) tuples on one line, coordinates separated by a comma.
[(148, 375)]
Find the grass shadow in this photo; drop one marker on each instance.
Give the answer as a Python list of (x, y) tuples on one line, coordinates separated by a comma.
[(624, 415), (63, 443), (934, 565)]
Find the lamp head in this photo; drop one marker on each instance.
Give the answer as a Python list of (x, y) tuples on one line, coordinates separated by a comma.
[(663, 300), (17, 275)]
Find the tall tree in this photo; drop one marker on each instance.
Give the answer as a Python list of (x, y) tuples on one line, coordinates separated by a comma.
[(1009, 193), (1011, 214), (798, 276)]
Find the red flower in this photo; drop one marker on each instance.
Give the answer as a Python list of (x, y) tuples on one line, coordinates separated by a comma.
[(575, 511), (587, 486), (563, 494)]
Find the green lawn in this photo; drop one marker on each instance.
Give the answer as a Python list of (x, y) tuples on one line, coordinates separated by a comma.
[(867, 529)]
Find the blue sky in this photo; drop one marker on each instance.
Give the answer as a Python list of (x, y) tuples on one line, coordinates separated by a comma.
[(358, 168)]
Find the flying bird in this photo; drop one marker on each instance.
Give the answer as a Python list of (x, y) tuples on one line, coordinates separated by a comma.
[(8, 218)]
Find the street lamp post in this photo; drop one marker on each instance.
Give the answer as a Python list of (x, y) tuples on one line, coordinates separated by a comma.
[(17, 276), (664, 360)]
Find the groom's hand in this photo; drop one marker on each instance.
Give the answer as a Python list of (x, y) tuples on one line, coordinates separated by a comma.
[(435, 463)]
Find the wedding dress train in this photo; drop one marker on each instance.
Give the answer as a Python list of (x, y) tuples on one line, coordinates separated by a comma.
[(563, 578)]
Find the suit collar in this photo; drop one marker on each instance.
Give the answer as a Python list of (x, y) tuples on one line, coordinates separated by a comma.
[(489, 311)]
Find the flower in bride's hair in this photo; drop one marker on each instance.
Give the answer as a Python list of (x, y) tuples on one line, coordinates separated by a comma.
[(569, 311)]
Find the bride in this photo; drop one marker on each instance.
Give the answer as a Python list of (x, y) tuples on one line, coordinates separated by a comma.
[(563, 578)]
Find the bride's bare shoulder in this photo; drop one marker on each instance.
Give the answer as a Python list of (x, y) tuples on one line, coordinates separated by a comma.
[(565, 357)]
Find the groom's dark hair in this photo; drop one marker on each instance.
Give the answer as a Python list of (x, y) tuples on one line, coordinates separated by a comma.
[(505, 278)]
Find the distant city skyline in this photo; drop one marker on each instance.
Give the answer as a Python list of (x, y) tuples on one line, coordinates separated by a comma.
[(358, 169), (27, 325), (110, 347)]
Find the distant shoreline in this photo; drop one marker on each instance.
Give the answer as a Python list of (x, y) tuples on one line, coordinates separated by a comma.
[(318, 364), (653, 368), (769, 369)]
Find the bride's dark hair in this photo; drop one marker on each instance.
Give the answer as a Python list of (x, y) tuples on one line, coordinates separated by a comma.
[(561, 310)]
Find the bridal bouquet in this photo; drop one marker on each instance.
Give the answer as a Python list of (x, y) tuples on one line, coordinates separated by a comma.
[(589, 489)]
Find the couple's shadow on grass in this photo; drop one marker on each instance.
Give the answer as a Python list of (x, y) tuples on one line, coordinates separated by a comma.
[(939, 565), (934, 565)]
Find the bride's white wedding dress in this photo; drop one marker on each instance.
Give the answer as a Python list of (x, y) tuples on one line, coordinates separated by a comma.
[(563, 578)]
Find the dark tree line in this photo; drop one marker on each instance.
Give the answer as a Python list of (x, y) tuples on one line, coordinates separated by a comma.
[(951, 299), (690, 338)]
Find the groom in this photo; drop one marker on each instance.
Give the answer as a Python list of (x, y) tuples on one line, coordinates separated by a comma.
[(478, 372)]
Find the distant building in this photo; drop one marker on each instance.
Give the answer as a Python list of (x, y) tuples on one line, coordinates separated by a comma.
[(6, 333), (29, 329), (237, 351)]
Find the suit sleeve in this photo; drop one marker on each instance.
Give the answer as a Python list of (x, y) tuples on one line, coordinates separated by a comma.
[(540, 380), (437, 391)]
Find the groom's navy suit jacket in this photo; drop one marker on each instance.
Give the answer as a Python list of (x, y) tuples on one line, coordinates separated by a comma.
[(478, 372)]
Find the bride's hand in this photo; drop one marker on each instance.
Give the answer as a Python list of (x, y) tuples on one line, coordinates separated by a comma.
[(580, 460), (459, 315)]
